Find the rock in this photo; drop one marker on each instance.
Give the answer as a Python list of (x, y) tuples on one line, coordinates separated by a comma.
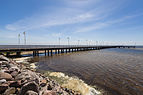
[(10, 91), (17, 91), (16, 84), (3, 87), (2, 81), (29, 86), (5, 76), (31, 93), (49, 93), (4, 64), (4, 70), (1, 54), (13, 68), (43, 83), (27, 75), (2, 58), (49, 87), (14, 74)]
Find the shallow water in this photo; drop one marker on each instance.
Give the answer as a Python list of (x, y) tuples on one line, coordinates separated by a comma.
[(118, 71)]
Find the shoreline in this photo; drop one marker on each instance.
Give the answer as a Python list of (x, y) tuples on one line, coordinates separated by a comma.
[(54, 77)]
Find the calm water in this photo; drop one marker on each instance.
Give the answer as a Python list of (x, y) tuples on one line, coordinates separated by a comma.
[(118, 71)]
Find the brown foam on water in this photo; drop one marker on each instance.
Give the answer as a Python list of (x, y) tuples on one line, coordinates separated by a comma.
[(76, 84)]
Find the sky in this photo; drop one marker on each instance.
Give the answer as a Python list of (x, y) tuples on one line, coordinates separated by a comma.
[(83, 21)]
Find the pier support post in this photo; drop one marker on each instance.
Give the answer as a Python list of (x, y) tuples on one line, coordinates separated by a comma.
[(8, 54), (66, 50), (61, 51), (55, 51), (37, 53), (51, 52), (48, 53), (58, 51), (45, 53), (18, 53), (33, 53)]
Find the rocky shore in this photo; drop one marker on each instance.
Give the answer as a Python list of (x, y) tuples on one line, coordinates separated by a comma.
[(19, 79)]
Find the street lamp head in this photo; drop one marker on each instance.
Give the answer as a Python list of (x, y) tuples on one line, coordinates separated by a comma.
[(68, 38), (24, 33)]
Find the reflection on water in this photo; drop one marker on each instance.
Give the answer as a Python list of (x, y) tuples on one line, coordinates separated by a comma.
[(117, 71)]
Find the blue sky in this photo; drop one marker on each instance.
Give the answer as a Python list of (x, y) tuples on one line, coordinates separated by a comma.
[(105, 21)]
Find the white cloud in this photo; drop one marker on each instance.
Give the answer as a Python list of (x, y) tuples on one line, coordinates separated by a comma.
[(47, 20), (67, 15), (102, 25), (62, 16)]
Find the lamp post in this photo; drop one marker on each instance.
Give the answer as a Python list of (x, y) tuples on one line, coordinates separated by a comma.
[(78, 42), (19, 39), (59, 40), (135, 43), (68, 40), (24, 33), (97, 43), (87, 42)]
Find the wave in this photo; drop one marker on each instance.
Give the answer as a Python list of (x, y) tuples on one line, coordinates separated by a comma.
[(75, 84)]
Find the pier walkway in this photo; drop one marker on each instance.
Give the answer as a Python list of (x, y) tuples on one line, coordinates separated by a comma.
[(49, 50)]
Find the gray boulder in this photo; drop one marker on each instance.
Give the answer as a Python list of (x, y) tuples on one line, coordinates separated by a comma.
[(29, 86)]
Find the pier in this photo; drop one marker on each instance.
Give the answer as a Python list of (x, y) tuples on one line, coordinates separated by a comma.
[(50, 50)]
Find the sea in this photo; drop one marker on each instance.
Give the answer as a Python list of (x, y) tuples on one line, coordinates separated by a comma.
[(115, 71)]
